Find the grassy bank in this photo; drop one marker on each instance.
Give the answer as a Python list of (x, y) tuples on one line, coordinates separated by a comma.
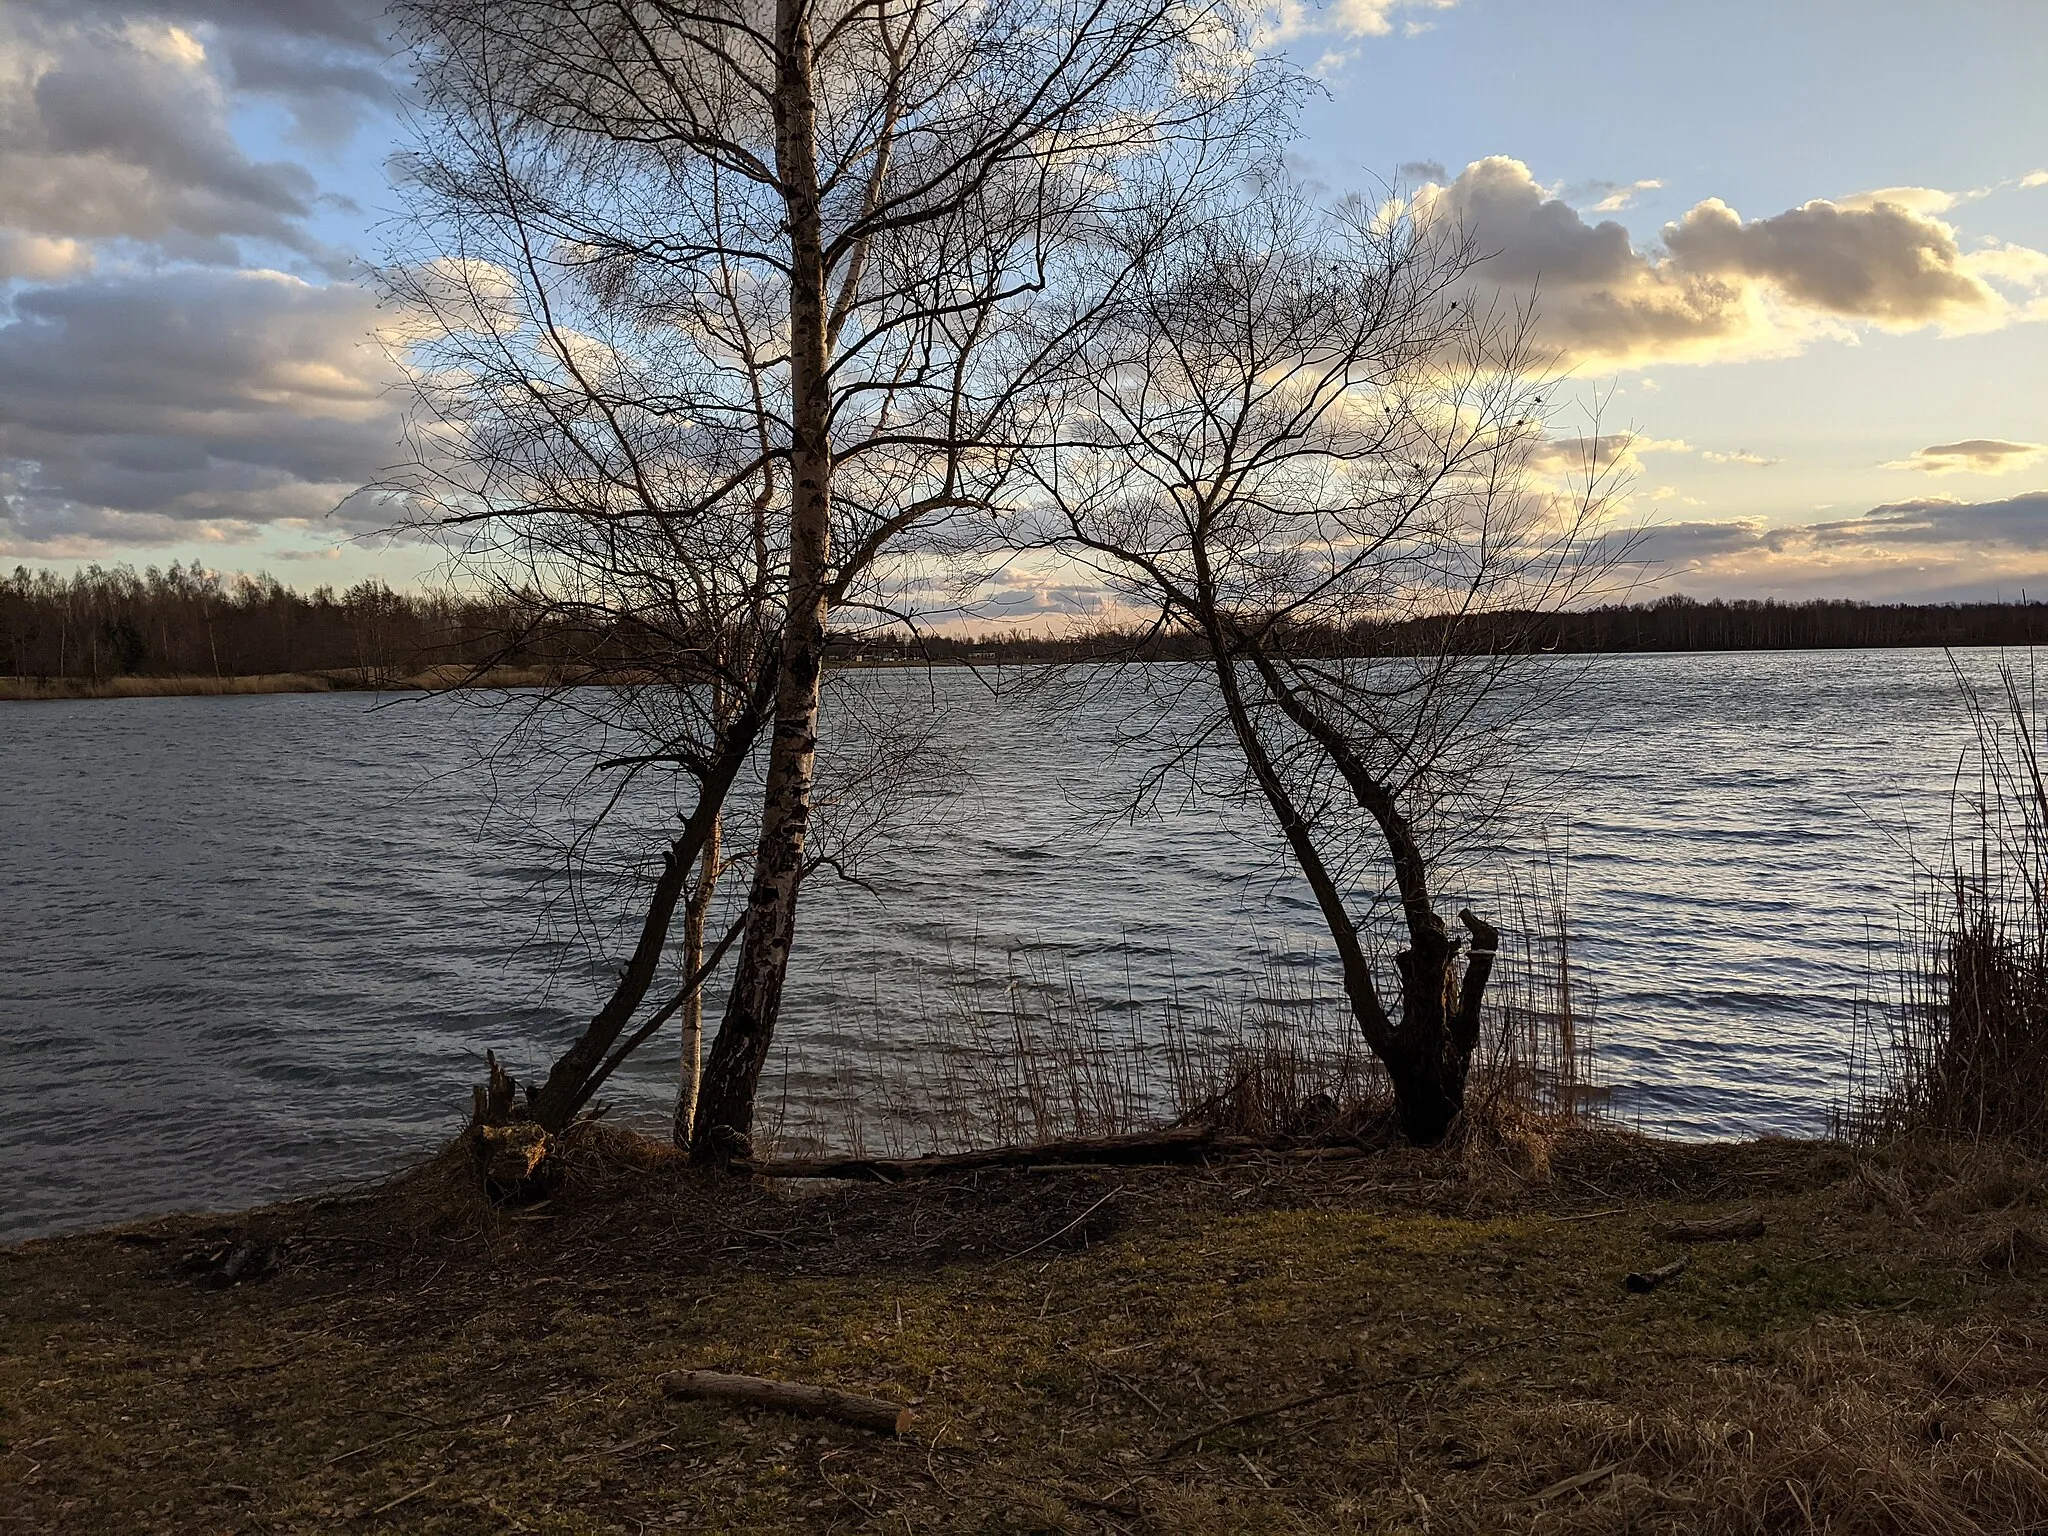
[(30, 689), (1405, 1341)]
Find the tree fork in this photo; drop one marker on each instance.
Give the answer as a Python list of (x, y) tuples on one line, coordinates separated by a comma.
[(563, 1093)]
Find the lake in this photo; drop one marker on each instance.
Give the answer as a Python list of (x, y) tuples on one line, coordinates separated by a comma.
[(251, 946)]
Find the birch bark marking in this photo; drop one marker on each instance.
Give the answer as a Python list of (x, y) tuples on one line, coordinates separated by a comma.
[(725, 1111), (690, 1070)]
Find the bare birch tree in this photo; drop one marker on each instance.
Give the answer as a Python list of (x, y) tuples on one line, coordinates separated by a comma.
[(1300, 443), (829, 219)]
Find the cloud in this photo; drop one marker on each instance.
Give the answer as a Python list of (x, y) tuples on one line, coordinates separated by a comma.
[(115, 120), (1924, 549), (186, 405), (2035, 179), (1374, 18), (1883, 263), (1566, 461), (154, 389), (329, 92), (1573, 456), (2015, 523), (40, 259), (1739, 456), (341, 23), (1610, 196), (1925, 201), (1286, 21), (1722, 287), (124, 134), (1976, 455)]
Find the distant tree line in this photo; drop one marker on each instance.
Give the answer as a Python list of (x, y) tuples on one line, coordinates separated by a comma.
[(185, 621), (1682, 624), (1669, 624)]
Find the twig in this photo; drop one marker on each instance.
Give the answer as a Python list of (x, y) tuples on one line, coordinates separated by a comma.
[(1572, 1484), (623, 1445), (1332, 1394), (405, 1498), (1133, 1388), (1736, 1225), (431, 1427), (1063, 1231), (1148, 1148)]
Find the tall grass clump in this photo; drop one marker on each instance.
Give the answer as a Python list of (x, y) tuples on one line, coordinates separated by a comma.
[(1015, 1050), (1963, 1050)]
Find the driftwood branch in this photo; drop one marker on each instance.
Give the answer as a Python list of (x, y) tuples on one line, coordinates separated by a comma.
[(874, 1413), (1183, 1145)]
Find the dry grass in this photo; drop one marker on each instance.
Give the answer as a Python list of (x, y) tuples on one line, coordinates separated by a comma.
[(1408, 1341)]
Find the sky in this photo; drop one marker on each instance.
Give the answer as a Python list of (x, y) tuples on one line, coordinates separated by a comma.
[(1794, 251)]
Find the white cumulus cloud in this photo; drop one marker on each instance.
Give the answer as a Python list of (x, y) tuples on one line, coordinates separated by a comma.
[(1720, 287)]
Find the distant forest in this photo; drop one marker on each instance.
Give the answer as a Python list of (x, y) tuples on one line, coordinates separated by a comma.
[(1669, 624), (187, 622)]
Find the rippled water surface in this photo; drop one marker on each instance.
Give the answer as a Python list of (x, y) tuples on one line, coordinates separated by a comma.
[(252, 945)]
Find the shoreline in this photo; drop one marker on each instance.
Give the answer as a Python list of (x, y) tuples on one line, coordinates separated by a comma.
[(38, 690), (1337, 1339)]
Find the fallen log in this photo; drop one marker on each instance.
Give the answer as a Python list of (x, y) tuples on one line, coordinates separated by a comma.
[(874, 1413), (1181, 1145), (1650, 1279), (1748, 1222)]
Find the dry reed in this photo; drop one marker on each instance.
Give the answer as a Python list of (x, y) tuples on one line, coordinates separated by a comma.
[(1020, 1053), (1955, 1041)]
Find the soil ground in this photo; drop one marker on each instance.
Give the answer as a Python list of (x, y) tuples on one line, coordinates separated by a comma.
[(1398, 1341)]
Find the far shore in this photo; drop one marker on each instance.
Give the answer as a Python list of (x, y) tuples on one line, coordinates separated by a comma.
[(40, 689)]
